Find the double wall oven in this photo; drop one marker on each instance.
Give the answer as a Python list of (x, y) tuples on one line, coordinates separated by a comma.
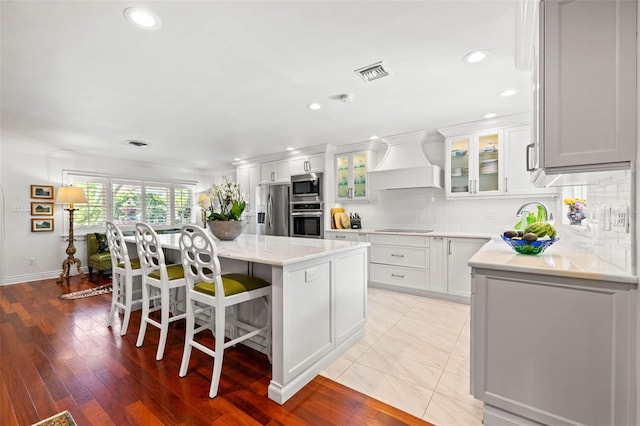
[(307, 207)]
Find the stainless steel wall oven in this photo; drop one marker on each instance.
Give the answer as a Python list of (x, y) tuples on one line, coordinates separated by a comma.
[(307, 219)]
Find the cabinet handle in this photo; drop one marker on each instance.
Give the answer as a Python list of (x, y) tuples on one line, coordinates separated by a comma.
[(438, 238), (506, 184), (397, 255), (342, 237), (273, 176), (530, 147), (307, 166), (350, 194), (397, 275), (449, 247)]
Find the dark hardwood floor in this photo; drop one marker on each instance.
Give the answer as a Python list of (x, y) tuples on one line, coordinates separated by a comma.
[(59, 355)]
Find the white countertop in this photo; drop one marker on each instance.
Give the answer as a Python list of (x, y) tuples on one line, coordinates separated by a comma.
[(561, 259), (452, 234), (267, 249)]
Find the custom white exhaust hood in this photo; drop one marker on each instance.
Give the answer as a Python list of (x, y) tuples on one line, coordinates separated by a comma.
[(405, 165)]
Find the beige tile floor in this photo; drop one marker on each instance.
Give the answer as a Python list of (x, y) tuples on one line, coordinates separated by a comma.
[(414, 356)]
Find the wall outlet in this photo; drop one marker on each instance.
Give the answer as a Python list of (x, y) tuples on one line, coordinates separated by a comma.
[(310, 275), (620, 219), (21, 207)]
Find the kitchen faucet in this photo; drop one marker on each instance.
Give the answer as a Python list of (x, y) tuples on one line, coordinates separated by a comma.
[(548, 216)]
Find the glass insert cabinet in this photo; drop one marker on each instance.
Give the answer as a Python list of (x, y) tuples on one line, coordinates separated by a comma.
[(474, 164), (351, 176)]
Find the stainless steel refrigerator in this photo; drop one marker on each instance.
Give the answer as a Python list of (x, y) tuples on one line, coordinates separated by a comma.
[(272, 210)]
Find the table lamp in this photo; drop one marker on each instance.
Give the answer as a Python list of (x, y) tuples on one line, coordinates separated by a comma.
[(70, 195), (204, 201)]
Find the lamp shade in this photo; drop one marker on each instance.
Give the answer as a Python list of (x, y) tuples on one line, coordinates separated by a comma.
[(70, 195), (203, 198)]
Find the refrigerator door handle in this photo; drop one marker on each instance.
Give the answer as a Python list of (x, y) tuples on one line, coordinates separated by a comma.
[(269, 210)]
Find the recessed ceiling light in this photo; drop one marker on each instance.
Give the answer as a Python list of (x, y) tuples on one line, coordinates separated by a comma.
[(490, 115), (475, 56), (142, 18), (314, 106), (289, 148), (508, 92), (237, 159), (374, 137)]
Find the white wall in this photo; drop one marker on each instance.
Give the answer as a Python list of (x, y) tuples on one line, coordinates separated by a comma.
[(26, 162)]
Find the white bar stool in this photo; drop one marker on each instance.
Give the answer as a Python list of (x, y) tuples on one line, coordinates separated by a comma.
[(123, 269), (161, 284), (207, 289)]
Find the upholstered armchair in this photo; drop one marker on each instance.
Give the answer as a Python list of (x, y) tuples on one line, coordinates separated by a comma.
[(98, 252)]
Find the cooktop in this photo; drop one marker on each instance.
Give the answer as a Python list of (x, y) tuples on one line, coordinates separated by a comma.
[(406, 231)]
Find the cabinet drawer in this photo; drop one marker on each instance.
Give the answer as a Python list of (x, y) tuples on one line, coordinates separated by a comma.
[(399, 240), (401, 256), (398, 276), (341, 236)]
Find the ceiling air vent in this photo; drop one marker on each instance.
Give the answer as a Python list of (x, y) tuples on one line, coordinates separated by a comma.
[(138, 144), (373, 72)]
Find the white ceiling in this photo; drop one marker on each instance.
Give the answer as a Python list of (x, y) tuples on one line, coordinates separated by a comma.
[(222, 80)]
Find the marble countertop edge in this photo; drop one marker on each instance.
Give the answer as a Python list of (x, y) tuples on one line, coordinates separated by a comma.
[(560, 260)]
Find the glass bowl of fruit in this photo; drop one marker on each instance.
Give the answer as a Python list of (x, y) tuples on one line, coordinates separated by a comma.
[(535, 239)]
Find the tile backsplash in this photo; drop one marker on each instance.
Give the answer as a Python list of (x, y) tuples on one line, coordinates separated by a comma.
[(606, 231), (427, 208)]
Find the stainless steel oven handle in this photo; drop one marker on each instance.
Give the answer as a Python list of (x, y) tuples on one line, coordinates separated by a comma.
[(306, 214)]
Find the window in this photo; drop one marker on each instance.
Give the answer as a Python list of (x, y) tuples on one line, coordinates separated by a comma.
[(157, 205), (126, 201), (182, 203)]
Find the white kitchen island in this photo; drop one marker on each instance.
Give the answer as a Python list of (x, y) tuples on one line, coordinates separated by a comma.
[(319, 294)]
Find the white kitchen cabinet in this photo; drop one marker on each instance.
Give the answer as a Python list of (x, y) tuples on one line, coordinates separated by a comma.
[(309, 164), (475, 164), (516, 180), (351, 176), (399, 262), (587, 113), (275, 172), (553, 350), (449, 272), (248, 178), (487, 159)]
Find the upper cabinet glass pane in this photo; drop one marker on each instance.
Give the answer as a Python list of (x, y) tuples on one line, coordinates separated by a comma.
[(342, 176), (359, 175), (488, 166), (460, 165)]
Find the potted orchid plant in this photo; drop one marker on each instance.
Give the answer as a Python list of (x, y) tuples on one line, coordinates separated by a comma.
[(226, 205)]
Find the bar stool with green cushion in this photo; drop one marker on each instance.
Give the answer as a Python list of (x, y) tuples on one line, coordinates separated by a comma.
[(208, 290), (122, 273), (161, 284)]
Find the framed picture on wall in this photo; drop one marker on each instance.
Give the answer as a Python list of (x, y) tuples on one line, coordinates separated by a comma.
[(42, 191), (42, 225), (41, 209)]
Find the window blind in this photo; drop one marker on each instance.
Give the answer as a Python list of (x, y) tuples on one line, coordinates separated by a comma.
[(127, 202), (94, 213), (183, 202), (157, 204)]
